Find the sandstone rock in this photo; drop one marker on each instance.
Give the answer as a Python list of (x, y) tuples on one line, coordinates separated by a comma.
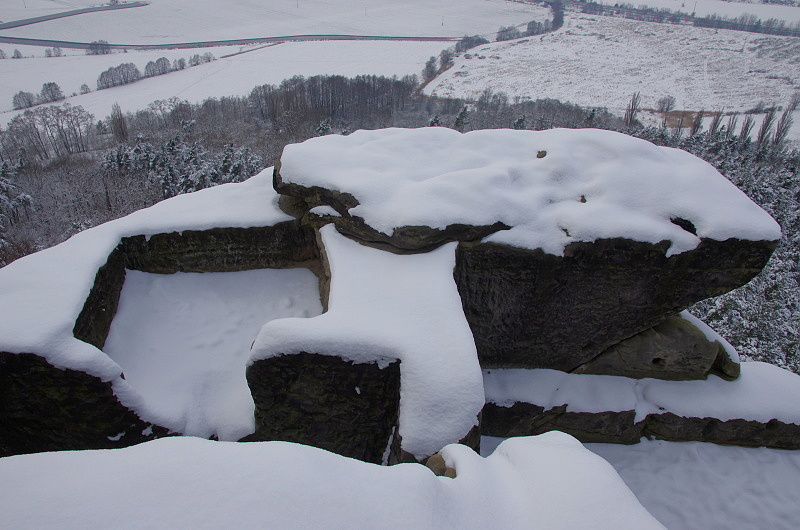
[(283, 245), (347, 408), (43, 408), (674, 349), (774, 433), (530, 309), (437, 464), (526, 419)]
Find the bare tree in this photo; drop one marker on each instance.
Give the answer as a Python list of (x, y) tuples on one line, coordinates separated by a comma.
[(785, 123), (733, 121), (697, 123), (747, 128), (118, 125), (764, 133), (633, 109), (429, 72), (98, 47), (508, 33), (23, 100), (50, 92), (666, 104)]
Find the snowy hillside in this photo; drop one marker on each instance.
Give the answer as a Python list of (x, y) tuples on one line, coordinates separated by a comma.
[(612, 58)]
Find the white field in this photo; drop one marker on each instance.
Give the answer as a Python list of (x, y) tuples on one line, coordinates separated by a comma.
[(238, 74), (171, 21), (723, 8), (601, 61), (228, 76)]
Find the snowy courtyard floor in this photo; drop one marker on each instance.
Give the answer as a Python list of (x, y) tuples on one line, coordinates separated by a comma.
[(183, 340)]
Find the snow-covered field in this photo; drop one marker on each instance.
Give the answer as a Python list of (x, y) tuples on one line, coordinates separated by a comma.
[(172, 21), (724, 8), (700, 486), (601, 61), (227, 76), (238, 74)]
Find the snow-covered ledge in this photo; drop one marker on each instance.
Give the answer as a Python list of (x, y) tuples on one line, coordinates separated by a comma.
[(539, 189), (382, 307)]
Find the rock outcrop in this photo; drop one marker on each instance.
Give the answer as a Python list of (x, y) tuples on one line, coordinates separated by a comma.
[(527, 419), (44, 408), (574, 252), (674, 349), (530, 309), (328, 402), (283, 245)]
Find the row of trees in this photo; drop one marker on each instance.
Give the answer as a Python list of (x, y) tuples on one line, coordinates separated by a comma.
[(47, 132), (16, 55), (743, 22), (50, 92), (122, 74), (535, 27)]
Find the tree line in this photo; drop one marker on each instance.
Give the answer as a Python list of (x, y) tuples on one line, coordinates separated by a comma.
[(743, 22)]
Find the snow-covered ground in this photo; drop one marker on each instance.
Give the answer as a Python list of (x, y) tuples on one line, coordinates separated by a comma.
[(183, 340), (600, 61), (700, 486), (173, 21), (549, 481)]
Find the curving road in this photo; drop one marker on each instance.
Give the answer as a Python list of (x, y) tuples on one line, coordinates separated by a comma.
[(205, 44), (64, 14)]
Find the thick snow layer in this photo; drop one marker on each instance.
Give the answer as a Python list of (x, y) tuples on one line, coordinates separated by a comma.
[(552, 187), (47, 289), (762, 392), (384, 306), (699, 486), (703, 486), (183, 339), (549, 481)]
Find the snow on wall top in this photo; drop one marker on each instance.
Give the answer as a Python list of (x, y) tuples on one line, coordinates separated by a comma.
[(45, 292), (763, 392), (551, 187), (385, 306)]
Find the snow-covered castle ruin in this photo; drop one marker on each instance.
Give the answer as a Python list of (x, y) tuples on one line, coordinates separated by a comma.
[(497, 282)]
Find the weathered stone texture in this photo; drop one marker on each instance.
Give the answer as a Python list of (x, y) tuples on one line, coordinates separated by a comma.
[(43, 408), (328, 402), (402, 240), (527, 419), (674, 349), (283, 245), (529, 309)]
